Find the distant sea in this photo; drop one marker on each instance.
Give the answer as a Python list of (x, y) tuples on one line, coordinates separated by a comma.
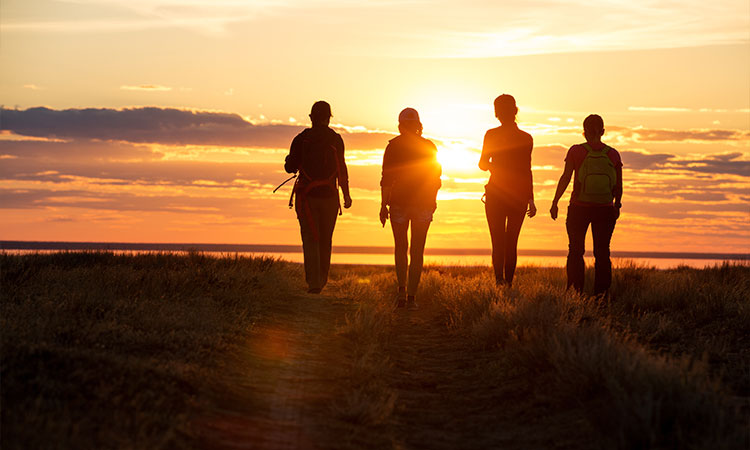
[(384, 255)]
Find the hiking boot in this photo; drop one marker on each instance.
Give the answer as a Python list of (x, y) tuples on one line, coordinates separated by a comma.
[(400, 300), (411, 303), (314, 290)]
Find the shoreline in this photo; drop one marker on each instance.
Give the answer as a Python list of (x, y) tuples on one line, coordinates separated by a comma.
[(341, 249)]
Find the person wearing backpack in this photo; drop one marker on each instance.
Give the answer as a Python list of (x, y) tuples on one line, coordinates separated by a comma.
[(409, 185), (596, 200), (509, 194), (317, 156)]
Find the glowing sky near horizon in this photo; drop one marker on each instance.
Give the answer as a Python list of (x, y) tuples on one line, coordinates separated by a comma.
[(198, 101)]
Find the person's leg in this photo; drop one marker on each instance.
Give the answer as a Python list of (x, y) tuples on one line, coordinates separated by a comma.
[(515, 220), (496, 223), (401, 246), (576, 224), (328, 213), (602, 227), (418, 240), (310, 246)]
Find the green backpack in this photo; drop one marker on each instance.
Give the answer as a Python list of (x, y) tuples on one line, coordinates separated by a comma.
[(597, 176)]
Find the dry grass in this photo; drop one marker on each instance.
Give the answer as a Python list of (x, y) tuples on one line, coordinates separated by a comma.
[(661, 364), (101, 350), (110, 351)]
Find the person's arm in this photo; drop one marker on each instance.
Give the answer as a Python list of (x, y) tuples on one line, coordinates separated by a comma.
[(292, 161), (385, 197), (484, 159), (618, 192), (436, 167), (532, 206), (344, 176), (386, 186), (561, 186)]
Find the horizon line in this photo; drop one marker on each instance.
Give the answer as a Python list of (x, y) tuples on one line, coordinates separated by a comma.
[(348, 249)]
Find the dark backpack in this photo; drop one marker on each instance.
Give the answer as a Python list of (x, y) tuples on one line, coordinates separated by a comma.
[(319, 159)]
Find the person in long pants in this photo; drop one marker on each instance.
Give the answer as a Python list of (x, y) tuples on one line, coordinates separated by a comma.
[(509, 194), (596, 200), (317, 156)]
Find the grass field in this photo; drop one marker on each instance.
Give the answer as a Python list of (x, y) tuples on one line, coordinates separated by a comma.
[(113, 351)]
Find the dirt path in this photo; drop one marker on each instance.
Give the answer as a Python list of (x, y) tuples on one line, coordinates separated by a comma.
[(452, 397), (447, 396), (286, 361)]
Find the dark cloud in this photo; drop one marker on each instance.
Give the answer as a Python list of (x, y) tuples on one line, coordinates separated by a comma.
[(164, 126), (723, 164), (662, 135), (703, 197), (224, 206), (712, 166), (726, 164), (167, 173), (156, 173), (641, 161), (80, 150), (726, 156)]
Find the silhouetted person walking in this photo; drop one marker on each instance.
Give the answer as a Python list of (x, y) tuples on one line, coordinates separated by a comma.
[(596, 200), (509, 194), (318, 154), (409, 186)]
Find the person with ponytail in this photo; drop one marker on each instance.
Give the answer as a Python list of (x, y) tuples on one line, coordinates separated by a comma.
[(509, 194), (409, 186)]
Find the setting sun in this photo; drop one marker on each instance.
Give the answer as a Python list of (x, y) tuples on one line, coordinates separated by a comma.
[(457, 158), (155, 142), (224, 224)]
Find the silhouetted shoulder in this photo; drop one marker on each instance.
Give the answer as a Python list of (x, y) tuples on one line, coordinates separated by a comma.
[(429, 143), (492, 132), (336, 138)]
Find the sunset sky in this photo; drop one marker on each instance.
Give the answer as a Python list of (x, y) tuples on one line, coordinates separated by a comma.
[(168, 121)]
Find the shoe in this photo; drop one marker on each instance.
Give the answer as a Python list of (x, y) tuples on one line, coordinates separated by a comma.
[(400, 300), (314, 290), (411, 303)]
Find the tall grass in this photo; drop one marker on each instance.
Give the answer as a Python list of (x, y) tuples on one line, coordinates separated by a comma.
[(367, 399), (639, 363), (112, 351), (587, 351)]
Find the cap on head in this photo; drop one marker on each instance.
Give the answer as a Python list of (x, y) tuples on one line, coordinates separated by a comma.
[(321, 109), (408, 115)]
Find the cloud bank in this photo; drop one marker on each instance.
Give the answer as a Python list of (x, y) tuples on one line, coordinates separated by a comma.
[(168, 126)]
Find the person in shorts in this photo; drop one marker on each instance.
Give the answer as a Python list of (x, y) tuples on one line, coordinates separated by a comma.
[(409, 185)]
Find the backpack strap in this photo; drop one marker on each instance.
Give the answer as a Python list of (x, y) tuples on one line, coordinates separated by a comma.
[(589, 149)]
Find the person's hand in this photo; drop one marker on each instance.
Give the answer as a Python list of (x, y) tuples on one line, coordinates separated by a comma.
[(617, 212), (347, 201), (383, 214), (553, 211), (532, 209)]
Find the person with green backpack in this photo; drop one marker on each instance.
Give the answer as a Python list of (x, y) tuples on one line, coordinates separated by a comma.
[(596, 200)]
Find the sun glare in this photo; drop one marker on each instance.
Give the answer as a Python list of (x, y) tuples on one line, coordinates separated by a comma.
[(457, 157)]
